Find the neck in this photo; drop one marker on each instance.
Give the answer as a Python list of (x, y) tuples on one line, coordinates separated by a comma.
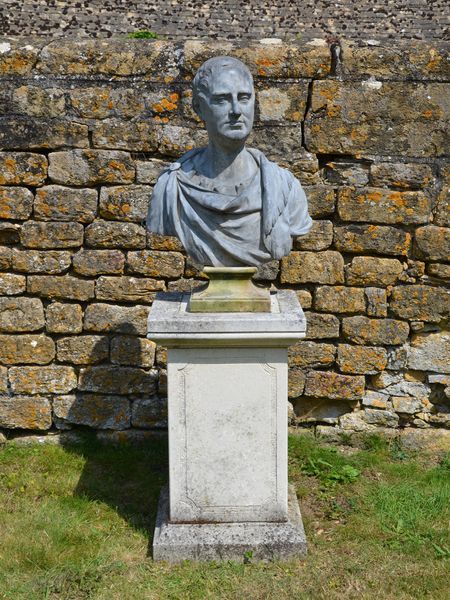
[(225, 162)]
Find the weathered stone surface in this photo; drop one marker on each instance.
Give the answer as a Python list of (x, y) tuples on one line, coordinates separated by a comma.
[(149, 413), (37, 101), (433, 243), (376, 302), (163, 242), (267, 271), (439, 270), (375, 399), (315, 267), (379, 239), (321, 201), (40, 261), (21, 314), (370, 270), (136, 136), (98, 262), (311, 354), (156, 264), (9, 233), (64, 318), (55, 379), (58, 203), (430, 352), (118, 319), (22, 168), (174, 140), (362, 330), (3, 379), (442, 208), (25, 412), (400, 175), (18, 58), (406, 404), (327, 384), (384, 418), (420, 302), (101, 102), (361, 359), (148, 171), (283, 103), (347, 173), (320, 326), (133, 351), (127, 289), (83, 350), (15, 203), (29, 133), (432, 440), (296, 382), (26, 349), (90, 167), (320, 237), (125, 202), (319, 410), (47, 234), (339, 299), (65, 287), (11, 284), (377, 205), (355, 421), (305, 298), (93, 410), (110, 234), (5, 258), (184, 285), (117, 380), (352, 118)]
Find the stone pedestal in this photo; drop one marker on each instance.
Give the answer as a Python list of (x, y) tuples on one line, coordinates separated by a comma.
[(227, 394)]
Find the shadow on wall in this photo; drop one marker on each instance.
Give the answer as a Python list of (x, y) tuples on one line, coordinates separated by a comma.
[(125, 468)]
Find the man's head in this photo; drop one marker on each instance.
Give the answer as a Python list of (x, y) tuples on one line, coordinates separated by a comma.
[(223, 96)]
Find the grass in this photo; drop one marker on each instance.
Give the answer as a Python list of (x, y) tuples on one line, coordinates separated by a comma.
[(76, 523)]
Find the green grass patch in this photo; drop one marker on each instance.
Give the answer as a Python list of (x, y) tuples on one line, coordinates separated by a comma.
[(76, 523), (143, 34)]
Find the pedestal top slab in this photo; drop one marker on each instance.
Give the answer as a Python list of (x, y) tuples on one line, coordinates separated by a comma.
[(170, 323)]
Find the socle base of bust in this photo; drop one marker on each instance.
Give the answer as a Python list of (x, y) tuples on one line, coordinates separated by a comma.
[(230, 289)]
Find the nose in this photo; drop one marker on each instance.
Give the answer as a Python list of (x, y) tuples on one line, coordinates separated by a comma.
[(235, 108)]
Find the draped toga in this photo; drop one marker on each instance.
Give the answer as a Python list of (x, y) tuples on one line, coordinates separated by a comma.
[(244, 226)]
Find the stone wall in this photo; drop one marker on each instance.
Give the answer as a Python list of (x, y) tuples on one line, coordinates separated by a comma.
[(85, 128), (228, 19)]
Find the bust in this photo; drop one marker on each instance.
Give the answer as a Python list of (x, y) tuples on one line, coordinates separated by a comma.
[(228, 204)]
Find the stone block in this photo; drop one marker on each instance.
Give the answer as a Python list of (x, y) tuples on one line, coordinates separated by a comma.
[(376, 302), (35, 101), (91, 167), (25, 412), (9, 233), (108, 379), (430, 352), (3, 379), (83, 349), (15, 203), (127, 289), (321, 326), (321, 200), (133, 351), (406, 405), (12, 284), (400, 175), (432, 440), (353, 117), (439, 270), (320, 237), (305, 298), (18, 58), (26, 349), (373, 399), (102, 102), (420, 302), (98, 262), (379, 239), (64, 318), (65, 287), (92, 410), (175, 141), (29, 133), (442, 210), (266, 272), (361, 360), (5, 258), (163, 242), (22, 168), (374, 332), (378, 205), (58, 203), (118, 319), (319, 410), (373, 271), (55, 379), (282, 103), (135, 136), (125, 202), (347, 173), (314, 267), (311, 354), (148, 171), (296, 382), (433, 243), (111, 234), (327, 384), (41, 261), (381, 418), (35, 234), (339, 299), (155, 263), (148, 413), (21, 314)]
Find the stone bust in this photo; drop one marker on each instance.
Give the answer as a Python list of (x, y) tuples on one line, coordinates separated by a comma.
[(228, 204)]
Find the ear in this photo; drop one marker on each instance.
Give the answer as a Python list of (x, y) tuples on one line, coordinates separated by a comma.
[(197, 105)]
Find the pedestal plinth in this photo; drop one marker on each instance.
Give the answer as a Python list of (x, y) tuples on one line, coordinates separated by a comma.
[(227, 396)]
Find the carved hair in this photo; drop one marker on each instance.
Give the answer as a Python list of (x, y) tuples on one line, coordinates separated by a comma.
[(200, 85)]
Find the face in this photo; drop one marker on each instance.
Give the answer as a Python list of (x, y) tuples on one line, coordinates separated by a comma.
[(228, 108)]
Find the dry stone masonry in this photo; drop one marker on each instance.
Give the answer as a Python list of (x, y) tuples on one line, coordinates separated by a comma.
[(85, 128)]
